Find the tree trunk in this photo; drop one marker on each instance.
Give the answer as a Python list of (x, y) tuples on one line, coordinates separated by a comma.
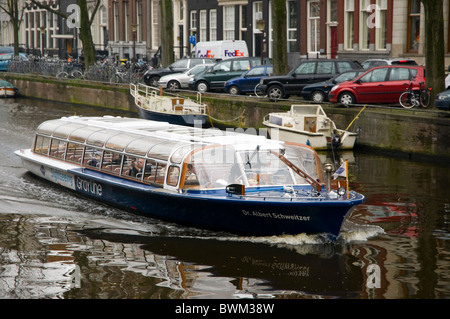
[(434, 46), (86, 35), (166, 33), (279, 23)]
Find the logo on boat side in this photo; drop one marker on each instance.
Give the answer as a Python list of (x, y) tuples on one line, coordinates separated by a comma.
[(89, 186)]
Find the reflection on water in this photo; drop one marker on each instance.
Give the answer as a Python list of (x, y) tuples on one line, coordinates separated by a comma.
[(55, 244)]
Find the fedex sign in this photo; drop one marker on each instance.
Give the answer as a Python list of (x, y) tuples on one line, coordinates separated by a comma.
[(234, 53), (224, 49)]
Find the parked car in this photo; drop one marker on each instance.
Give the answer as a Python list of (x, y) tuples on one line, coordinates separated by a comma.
[(442, 100), (247, 81), (382, 84), (215, 77), (7, 58), (447, 82), (152, 76), (307, 72), (318, 92), (178, 81), (371, 63)]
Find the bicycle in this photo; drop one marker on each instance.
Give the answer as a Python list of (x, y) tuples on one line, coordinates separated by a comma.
[(411, 98)]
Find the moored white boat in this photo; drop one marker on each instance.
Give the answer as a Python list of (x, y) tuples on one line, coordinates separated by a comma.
[(206, 178), (308, 124), (7, 89), (152, 104)]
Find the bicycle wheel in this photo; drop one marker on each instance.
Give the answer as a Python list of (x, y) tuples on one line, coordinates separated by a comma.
[(257, 91), (62, 75), (425, 97), (114, 79), (407, 100)]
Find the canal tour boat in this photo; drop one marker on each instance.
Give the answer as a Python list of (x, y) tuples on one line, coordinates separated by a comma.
[(152, 104), (309, 124), (207, 178)]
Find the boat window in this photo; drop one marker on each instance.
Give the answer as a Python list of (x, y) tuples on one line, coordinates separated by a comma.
[(74, 152), (48, 127), (81, 134), (180, 153), (120, 141), (63, 131), (211, 167), (160, 173), (112, 161), (142, 145), (100, 137), (162, 151), (263, 168), (150, 171), (92, 157), (305, 159), (173, 174), (57, 148), (42, 144)]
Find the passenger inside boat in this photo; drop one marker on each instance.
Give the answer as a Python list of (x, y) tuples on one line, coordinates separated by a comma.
[(137, 168)]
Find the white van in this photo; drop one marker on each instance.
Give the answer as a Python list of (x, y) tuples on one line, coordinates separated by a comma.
[(225, 49)]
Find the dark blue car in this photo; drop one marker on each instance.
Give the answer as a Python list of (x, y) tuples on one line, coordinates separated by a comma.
[(318, 92), (442, 101), (247, 81)]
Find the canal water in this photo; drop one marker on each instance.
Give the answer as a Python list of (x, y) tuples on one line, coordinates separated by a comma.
[(56, 244)]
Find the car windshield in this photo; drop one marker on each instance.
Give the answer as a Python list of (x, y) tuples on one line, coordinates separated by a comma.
[(197, 69)]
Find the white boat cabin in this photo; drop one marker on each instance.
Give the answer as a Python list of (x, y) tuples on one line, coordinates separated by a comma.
[(303, 117), (172, 156)]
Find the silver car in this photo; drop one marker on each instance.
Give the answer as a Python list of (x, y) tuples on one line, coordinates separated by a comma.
[(179, 81)]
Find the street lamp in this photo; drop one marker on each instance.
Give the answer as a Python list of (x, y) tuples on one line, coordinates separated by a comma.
[(134, 29), (42, 28), (261, 25)]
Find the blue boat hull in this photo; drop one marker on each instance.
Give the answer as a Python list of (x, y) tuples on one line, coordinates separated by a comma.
[(217, 210), (178, 119)]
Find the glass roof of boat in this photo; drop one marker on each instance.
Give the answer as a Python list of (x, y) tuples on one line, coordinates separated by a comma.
[(143, 137)]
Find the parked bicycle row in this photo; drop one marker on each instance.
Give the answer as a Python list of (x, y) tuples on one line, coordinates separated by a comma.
[(106, 70)]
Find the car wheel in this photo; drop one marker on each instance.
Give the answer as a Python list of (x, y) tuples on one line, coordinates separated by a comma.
[(275, 93), (173, 85), (202, 87), (346, 98), (234, 90), (318, 96), (153, 81)]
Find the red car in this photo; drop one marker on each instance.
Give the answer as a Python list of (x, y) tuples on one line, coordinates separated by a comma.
[(382, 84)]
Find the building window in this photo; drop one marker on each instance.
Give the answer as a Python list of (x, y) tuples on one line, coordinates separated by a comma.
[(365, 24), (348, 27), (314, 26), (413, 25), (381, 17), (203, 26), (116, 21), (243, 20), (193, 20), (126, 10), (181, 13), (292, 26), (103, 16), (139, 22), (228, 23), (155, 24), (213, 25)]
